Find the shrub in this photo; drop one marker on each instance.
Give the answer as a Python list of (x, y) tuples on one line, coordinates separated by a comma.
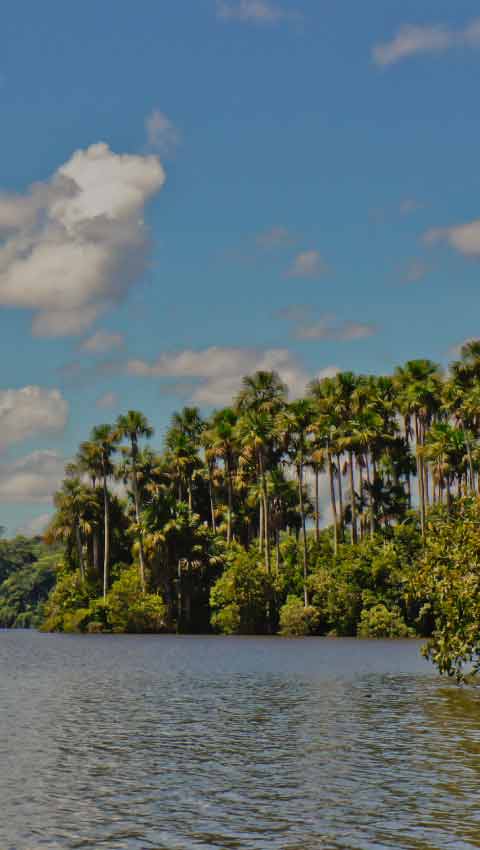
[(130, 610), (448, 582), (66, 606), (379, 622), (241, 596), (297, 620)]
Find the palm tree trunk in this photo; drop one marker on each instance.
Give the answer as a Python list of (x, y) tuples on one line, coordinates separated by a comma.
[(212, 502), (317, 506), (95, 546), (352, 497), (136, 498), (190, 496), (333, 502), (449, 494), (260, 525), (106, 528), (229, 500), (340, 494), (304, 533), (470, 461), (421, 492), (78, 539), (371, 500), (265, 512)]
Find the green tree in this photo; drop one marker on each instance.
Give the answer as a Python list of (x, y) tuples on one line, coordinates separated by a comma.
[(133, 426)]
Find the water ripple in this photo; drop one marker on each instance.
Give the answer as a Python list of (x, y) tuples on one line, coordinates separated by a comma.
[(164, 743)]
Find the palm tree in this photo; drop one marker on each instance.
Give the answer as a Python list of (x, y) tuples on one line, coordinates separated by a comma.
[(419, 392), (103, 438), (263, 392), (74, 505), (221, 438), (133, 426), (88, 461), (255, 430), (325, 429), (295, 423)]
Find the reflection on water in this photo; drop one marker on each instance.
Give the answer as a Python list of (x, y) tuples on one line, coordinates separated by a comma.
[(176, 743)]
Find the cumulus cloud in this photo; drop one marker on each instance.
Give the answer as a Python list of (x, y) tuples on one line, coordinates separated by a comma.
[(32, 478), (106, 401), (464, 238), (273, 238), (71, 247), (412, 40), (328, 328), (162, 135), (308, 264), (409, 206), (35, 526), (30, 411), (102, 341), (254, 11), (416, 271), (218, 372), (305, 327)]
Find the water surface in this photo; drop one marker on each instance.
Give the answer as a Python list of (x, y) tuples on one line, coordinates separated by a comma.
[(189, 743)]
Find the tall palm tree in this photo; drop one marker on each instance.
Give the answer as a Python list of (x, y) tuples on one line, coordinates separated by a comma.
[(255, 431), (295, 423), (419, 392), (325, 429), (221, 437), (263, 392), (104, 439), (133, 426), (88, 461), (74, 505)]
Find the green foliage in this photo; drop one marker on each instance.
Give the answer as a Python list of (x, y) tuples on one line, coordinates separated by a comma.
[(379, 622), (28, 571), (376, 572), (448, 583), (296, 620), (240, 598), (130, 610), (74, 607), (68, 603)]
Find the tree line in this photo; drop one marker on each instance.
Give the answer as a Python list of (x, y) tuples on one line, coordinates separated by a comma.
[(243, 487)]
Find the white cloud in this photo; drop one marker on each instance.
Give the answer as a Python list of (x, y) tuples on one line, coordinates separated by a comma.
[(74, 245), (30, 411), (411, 40), (273, 238), (328, 328), (308, 264), (102, 341), (162, 135), (219, 371), (35, 527), (410, 205), (416, 271), (464, 238), (32, 478), (254, 11), (106, 401)]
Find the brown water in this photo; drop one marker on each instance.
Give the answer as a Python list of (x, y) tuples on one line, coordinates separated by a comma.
[(188, 743)]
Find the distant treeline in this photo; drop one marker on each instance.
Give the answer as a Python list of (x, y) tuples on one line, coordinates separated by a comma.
[(222, 529)]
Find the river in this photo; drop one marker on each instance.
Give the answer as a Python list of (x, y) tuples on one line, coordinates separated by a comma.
[(189, 743)]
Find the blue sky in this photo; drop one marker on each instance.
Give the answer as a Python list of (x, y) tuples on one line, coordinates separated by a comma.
[(191, 190)]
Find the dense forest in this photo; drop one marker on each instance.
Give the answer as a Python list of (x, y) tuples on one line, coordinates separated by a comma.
[(226, 528)]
